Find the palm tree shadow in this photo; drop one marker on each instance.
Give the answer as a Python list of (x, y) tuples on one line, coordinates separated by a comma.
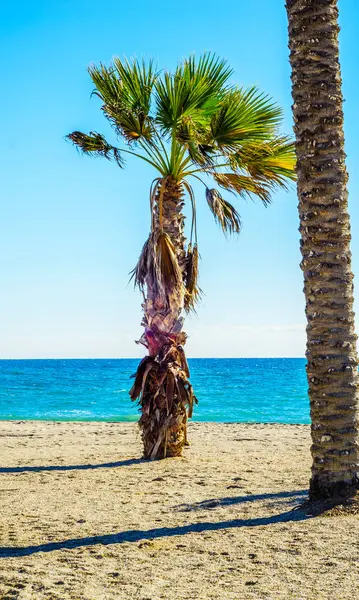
[(136, 535), (219, 502), (38, 469)]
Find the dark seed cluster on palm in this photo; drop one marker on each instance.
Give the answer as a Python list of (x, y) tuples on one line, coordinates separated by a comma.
[(192, 123)]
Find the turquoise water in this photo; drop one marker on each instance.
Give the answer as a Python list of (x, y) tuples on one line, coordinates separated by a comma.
[(247, 390), (228, 389)]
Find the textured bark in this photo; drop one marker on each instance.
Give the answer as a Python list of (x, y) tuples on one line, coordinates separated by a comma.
[(166, 391), (332, 362)]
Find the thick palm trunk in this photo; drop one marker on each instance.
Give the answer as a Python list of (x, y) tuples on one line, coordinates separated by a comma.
[(163, 375), (332, 366)]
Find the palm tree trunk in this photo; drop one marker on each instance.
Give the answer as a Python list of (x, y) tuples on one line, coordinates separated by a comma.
[(163, 374), (332, 366)]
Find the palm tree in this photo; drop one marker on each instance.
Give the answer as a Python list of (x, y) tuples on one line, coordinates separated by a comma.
[(332, 366), (188, 124)]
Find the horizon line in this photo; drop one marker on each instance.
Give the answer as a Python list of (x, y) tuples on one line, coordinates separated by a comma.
[(139, 358)]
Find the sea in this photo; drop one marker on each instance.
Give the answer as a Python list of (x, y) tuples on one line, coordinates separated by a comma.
[(259, 390)]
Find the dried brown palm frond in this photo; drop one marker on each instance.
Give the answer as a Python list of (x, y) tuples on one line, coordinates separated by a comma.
[(189, 189), (170, 388), (144, 368), (153, 192), (192, 291), (165, 396), (169, 273), (191, 398), (224, 213), (139, 273), (157, 198), (183, 360), (158, 264)]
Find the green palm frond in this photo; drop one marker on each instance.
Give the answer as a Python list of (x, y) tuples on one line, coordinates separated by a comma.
[(244, 185), (271, 161), (192, 119), (126, 91), (185, 131), (211, 67), (224, 213), (187, 100), (178, 99), (95, 144), (244, 115), (137, 81), (107, 85), (201, 155), (192, 92)]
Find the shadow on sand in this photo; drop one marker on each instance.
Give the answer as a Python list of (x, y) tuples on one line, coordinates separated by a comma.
[(110, 465), (219, 502), (136, 535)]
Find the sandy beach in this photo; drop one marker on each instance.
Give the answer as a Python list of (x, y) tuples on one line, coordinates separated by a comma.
[(83, 517)]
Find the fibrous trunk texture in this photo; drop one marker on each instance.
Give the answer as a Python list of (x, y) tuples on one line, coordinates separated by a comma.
[(162, 379), (332, 363)]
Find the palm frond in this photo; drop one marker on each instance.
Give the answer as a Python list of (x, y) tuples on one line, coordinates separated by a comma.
[(244, 115), (158, 265), (192, 291), (140, 272), (126, 90), (107, 85), (137, 80), (224, 213), (94, 144), (192, 92), (169, 273), (192, 136), (145, 366), (210, 67), (272, 161), (192, 198), (244, 185), (201, 155)]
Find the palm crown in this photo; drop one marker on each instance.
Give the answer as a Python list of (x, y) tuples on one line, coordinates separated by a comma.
[(192, 121), (189, 123)]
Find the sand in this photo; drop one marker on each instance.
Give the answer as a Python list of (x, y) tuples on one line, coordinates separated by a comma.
[(82, 517)]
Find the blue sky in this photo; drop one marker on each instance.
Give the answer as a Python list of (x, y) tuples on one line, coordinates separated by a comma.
[(72, 227)]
